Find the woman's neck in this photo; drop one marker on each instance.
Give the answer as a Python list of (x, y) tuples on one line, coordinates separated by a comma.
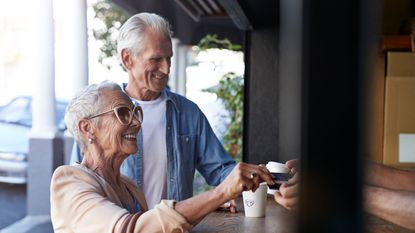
[(107, 169)]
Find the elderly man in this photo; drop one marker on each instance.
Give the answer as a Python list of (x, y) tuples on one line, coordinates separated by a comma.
[(176, 138)]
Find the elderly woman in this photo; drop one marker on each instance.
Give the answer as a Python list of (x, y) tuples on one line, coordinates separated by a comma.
[(94, 197)]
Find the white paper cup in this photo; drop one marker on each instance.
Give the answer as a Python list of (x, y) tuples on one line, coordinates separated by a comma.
[(280, 173), (255, 202)]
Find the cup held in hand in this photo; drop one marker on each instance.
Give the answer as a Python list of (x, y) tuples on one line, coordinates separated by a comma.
[(280, 173)]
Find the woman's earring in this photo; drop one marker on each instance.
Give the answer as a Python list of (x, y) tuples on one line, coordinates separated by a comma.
[(91, 141)]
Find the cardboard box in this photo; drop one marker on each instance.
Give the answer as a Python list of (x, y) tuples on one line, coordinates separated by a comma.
[(376, 109), (399, 127)]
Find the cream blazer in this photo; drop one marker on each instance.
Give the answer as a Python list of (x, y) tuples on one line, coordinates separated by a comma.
[(82, 201)]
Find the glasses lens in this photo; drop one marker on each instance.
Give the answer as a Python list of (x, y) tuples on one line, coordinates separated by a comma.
[(138, 114), (124, 115)]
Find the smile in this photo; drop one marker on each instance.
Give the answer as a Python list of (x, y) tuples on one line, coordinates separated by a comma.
[(159, 77), (131, 137)]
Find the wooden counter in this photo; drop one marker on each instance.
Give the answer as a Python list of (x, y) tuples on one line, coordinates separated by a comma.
[(277, 219)]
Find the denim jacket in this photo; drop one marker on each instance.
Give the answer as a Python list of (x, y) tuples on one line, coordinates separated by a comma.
[(191, 144)]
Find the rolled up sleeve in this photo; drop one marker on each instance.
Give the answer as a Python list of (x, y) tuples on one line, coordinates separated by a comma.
[(163, 218)]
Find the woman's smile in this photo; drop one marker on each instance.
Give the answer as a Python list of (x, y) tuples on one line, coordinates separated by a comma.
[(130, 137)]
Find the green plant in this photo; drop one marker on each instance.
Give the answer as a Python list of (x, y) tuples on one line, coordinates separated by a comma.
[(231, 91), (212, 41), (111, 18)]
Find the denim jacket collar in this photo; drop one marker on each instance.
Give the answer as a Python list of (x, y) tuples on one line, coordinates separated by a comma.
[(170, 97)]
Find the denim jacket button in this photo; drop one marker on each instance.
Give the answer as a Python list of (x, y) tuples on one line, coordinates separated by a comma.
[(171, 180), (187, 139)]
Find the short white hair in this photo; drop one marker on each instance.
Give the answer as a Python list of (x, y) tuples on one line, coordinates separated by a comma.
[(132, 32), (85, 104)]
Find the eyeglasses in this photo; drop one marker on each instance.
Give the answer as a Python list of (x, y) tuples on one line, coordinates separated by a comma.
[(124, 114)]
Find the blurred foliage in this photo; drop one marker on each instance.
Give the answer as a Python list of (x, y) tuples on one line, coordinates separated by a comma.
[(212, 41), (230, 91), (111, 18)]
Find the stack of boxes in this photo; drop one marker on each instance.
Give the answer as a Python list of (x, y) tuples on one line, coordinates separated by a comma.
[(392, 123)]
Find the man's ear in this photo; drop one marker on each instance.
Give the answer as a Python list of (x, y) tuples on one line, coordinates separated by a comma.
[(85, 128), (126, 58)]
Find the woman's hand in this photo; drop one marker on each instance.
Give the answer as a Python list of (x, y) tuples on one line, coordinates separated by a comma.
[(230, 206), (244, 177)]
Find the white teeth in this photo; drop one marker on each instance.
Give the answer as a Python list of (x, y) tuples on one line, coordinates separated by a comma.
[(130, 136), (158, 77)]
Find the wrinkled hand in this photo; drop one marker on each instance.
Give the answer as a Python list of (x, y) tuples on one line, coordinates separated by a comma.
[(288, 192), (230, 206), (241, 179)]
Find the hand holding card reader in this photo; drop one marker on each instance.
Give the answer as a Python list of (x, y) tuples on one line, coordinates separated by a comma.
[(280, 173)]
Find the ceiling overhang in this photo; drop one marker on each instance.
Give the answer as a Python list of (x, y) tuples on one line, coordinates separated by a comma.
[(193, 19)]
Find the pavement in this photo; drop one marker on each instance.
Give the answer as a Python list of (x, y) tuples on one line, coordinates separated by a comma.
[(13, 217), (12, 202)]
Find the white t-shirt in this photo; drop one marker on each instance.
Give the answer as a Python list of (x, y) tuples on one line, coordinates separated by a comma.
[(154, 151)]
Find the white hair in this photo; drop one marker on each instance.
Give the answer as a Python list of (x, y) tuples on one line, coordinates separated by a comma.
[(132, 32), (85, 104)]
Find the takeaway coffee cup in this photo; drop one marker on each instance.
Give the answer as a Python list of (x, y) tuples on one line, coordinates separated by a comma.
[(255, 202), (280, 173)]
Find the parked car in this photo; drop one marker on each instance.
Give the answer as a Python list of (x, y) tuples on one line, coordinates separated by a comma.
[(15, 125)]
